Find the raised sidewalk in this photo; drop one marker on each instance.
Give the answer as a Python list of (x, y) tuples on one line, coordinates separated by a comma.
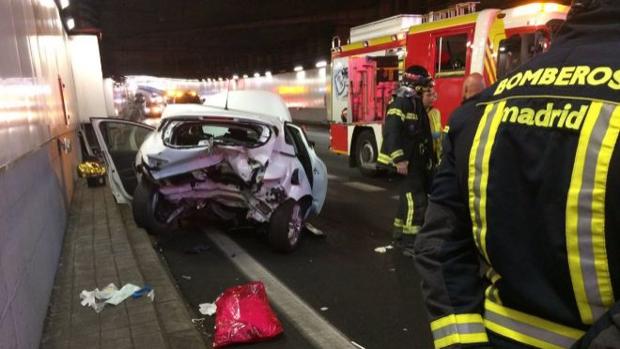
[(102, 245)]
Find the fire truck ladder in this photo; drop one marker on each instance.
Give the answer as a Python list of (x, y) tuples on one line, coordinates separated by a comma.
[(460, 9)]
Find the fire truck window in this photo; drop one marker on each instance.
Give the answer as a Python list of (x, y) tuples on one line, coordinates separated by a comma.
[(518, 50), (387, 68), (450, 55)]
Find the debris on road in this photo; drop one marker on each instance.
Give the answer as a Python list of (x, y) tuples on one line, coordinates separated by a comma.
[(90, 298), (383, 249), (324, 308), (314, 230), (151, 295), (197, 249), (186, 277), (409, 252), (122, 294), (207, 309), (141, 292), (244, 316), (97, 299), (357, 345)]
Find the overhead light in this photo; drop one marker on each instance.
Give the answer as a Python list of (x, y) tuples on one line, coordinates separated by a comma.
[(321, 64), (220, 79), (245, 76), (268, 74), (299, 68), (256, 75), (70, 23), (64, 4), (235, 77)]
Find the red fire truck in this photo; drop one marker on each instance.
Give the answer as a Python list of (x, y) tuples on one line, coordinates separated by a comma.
[(450, 44)]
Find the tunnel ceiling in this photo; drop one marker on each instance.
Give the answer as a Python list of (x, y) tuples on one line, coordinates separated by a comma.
[(212, 38)]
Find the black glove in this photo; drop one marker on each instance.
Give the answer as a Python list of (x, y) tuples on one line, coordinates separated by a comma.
[(604, 334)]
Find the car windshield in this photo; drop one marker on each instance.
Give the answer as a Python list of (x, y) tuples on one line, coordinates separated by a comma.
[(181, 133)]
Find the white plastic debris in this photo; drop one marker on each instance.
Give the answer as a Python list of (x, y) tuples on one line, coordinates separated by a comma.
[(383, 249), (88, 299), (151, 295), (107, 292), (207, 309), (324, 308), (314, 230), (119, 296), (97, 299), (186, 277)]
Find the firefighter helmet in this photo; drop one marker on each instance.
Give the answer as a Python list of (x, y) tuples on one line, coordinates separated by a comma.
[(417, 78)]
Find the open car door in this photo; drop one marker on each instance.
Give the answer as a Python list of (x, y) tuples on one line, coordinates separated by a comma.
[(120, 141), (315, 169)]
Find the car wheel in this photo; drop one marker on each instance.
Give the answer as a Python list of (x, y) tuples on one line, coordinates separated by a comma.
[(146, 201), (285, 226), (366, 154)]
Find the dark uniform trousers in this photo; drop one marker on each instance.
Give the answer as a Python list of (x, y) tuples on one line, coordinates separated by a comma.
[(521, 242), (407, 137), (412, 201)]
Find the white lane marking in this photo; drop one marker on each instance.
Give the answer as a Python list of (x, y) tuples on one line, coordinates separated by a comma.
[(310, 324), (364, 186), (332, 177)]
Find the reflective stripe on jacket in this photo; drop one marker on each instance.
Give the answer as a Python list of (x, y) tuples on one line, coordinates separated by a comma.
[(529, 188)]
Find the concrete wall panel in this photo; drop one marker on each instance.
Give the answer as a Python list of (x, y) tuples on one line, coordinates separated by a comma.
[(36, 176)]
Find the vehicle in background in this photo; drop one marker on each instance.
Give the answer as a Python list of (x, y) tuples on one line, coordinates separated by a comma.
[(450, 44), (239, 157), (153, 109), (180, 96)]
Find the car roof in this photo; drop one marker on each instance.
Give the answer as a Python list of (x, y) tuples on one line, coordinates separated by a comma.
[(252, 101), (184, 111)]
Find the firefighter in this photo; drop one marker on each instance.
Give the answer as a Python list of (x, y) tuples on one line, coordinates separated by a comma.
[(429, 98), (472, 86), (521, 243), (408, 146)]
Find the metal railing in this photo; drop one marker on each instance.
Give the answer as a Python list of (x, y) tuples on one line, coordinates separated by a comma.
[(460, 9)]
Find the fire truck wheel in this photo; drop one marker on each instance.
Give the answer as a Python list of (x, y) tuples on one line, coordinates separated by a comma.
[(366, 154)]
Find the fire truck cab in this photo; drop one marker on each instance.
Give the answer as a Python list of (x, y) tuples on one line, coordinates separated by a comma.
[(450, 44)]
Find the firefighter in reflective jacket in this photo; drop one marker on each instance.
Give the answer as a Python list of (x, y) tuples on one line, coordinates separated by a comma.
[(521, 243), (408, 146)]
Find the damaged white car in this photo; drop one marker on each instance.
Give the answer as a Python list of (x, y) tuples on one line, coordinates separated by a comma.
[(238, 155)]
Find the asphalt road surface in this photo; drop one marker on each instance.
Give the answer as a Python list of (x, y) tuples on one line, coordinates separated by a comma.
[(333, 291)]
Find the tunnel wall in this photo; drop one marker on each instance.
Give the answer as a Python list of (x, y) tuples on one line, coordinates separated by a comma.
[(38, 157)]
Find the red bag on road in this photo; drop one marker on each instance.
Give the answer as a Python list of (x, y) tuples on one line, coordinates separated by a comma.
[(244, 316)]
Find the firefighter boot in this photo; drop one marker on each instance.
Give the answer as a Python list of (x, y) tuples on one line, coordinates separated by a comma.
[(408, 245), (397, 230)]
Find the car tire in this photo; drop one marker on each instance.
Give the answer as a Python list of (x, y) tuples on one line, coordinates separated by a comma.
[(366, 154), (285, 226), (143, 206)]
